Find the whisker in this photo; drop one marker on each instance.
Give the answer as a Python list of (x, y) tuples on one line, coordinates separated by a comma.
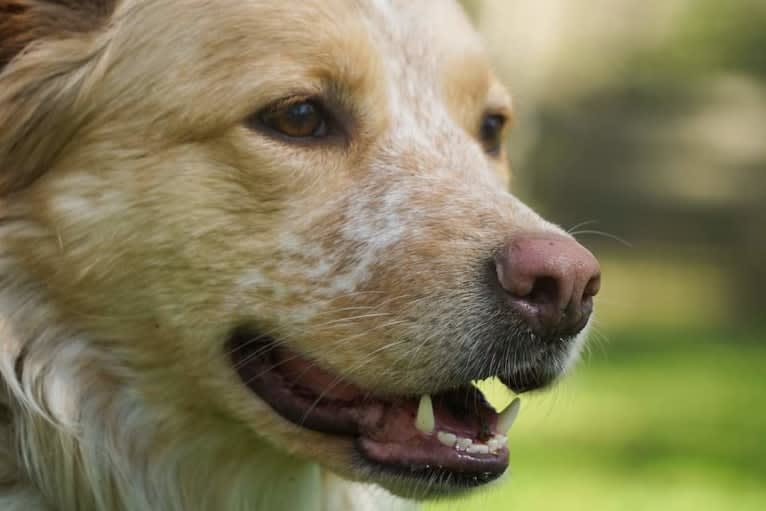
[(338, 379), (604, 234), (311, 353), (355, 318), (581, 224)]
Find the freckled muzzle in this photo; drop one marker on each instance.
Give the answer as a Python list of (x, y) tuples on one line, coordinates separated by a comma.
[(517, 319)]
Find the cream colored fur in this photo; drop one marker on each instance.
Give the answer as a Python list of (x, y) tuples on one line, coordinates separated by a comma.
[(141, 220), (73, 436)]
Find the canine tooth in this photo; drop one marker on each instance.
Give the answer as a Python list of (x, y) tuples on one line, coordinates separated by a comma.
[(508, 416), (478, 449), (425, 421), (464, 443), (447, 439)]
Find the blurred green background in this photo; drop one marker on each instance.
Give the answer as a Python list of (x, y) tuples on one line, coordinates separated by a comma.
[(642, 126)]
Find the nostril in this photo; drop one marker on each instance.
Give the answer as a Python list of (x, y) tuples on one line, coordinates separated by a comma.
[(592, 287), (545, 290)]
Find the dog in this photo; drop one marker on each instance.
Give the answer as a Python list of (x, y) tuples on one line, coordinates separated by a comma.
[(254, 254)]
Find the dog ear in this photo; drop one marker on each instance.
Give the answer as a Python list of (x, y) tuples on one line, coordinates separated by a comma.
[(15, 30), (43, 53), (25, 21)]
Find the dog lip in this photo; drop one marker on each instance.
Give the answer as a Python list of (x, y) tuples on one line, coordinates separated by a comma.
[(264, 371), (382, 428)]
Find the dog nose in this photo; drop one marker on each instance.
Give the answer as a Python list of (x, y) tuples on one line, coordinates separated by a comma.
[(550, 282)]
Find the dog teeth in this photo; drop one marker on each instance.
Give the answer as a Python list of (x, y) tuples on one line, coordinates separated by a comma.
[(496, 443), (464, 443), (477, 449), (425, 421), (447, 439), (508, 416), (469, 446)]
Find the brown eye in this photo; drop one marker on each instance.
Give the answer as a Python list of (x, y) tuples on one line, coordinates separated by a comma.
[(491, 133), (304, 119)]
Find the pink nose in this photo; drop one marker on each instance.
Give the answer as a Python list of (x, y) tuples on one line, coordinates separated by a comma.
[(550, 281)]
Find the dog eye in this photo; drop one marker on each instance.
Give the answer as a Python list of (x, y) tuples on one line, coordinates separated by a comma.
[(301, 119), (491, 133)]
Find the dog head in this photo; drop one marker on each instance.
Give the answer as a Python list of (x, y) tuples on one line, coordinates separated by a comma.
[(292, 216)]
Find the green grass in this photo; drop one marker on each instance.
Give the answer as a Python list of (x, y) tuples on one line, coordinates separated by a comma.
[(647, 422)]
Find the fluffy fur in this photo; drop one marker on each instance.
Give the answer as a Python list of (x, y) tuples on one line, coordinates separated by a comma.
[(142, 219)]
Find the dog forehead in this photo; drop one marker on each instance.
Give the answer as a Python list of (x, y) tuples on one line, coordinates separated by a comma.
[(428, 38), (383, 58), (429, 21)]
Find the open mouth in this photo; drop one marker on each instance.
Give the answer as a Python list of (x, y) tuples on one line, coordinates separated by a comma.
[(454, 435)]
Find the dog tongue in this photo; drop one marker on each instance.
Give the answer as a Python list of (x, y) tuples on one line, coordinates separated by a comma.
[(458, 442)]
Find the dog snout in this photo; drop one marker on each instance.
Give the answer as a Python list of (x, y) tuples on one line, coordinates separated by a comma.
[(550, 282)]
